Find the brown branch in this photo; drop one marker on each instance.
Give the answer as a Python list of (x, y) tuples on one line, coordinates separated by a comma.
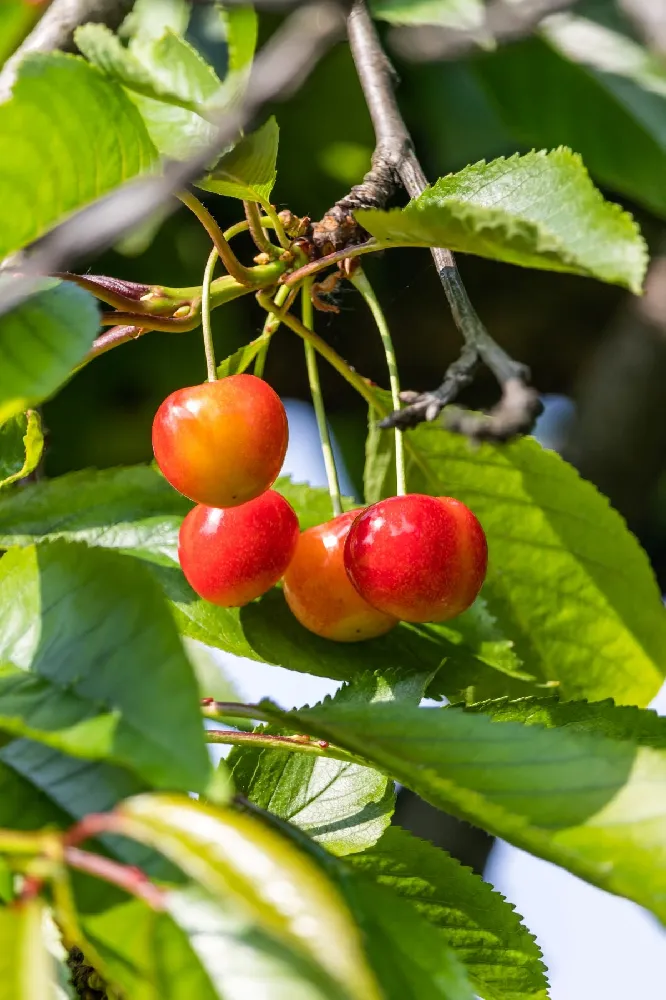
[(278, 71), (503, 22), (55, 30), (516, 411)]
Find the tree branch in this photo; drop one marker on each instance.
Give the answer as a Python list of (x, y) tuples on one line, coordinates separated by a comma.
[(55, 30), (278, 71), (519, 404)]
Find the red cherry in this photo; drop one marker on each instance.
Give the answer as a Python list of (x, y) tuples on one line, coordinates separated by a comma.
[(221, 443), (319, 592), (232, 555), (420, 558)]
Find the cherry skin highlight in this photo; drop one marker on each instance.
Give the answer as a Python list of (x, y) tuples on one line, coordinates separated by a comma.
[(221, 443), (230, 556), (319, 592), (419, 558)]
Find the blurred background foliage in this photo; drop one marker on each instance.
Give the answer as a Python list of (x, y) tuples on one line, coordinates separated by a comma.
[(594, 78)]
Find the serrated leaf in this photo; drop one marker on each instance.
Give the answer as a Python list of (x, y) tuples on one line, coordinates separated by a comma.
[(68, 135), (459, 14), (500, 955), (99, 668), (342, 806), (599, 92), (539, 210), (241, 359), (566, 581), (21, 446), (247, 172), (236, 857), (575, 798), (41, 341), (27, 968), (136, 510)]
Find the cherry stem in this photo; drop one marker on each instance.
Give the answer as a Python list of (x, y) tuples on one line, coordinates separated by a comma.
[(237, 270), (276, 223), (257, 233), (360, 281), (267, 741), (209, 347), (270, 326), (307, 314), (357, 382)]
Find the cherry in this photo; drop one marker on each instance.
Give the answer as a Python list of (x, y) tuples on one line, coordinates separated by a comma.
[(419, 558), (319, 592), (221, 443), (232, 555)]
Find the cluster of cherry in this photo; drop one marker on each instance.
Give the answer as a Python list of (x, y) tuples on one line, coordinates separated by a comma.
[(412, 558)]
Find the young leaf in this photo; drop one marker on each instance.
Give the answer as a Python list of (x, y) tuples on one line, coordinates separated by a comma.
[(574, 798), (41, 341), (27, 968), (102, 674), (89, 141), (501, 956), (241, 359), (599, 92), (241, 28), (566, 579), (343, 806), (459, 14), (247, 172), (21, 446), (539, 210), (236, 857)]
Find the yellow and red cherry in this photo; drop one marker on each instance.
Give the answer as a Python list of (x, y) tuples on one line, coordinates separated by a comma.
[(231, 555), (419, 558), (221, 443), (319, 592)]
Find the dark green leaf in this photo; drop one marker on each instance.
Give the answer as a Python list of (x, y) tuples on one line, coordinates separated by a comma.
[(575, 798), (240, 859), (103, 672), (599, 93), (247, 172), (21, 446), (41, 341), (68, 135), (27, 968), (566, 579), (539, 210), (501, 956)]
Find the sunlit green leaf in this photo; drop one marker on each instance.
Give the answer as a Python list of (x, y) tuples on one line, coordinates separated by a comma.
[(21, 446), (27, 968), (459, 14), (247, 172)]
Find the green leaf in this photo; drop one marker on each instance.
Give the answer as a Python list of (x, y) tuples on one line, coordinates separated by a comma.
[(575, 798), (247, 172), (502, 958), (599, 92), (241, 359), (539, 210), (241, 28), (21, 447), (236, 857), (41, 341), (131, 508), (566, 579), (68, 135), (343, 806), (103, 674), (27, 968), (459, 14)]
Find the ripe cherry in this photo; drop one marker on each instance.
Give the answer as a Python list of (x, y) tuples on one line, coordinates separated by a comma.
[(232, 555), (319, 592), (419, 558), (221, 443)]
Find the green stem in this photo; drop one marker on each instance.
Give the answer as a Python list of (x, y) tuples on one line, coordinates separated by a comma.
[(270, 326), (257, 233), (242, 274), (318, 403), (293, 744), (17, 842), (209, 347), (276, 223), (357, 381), (360, 281)]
